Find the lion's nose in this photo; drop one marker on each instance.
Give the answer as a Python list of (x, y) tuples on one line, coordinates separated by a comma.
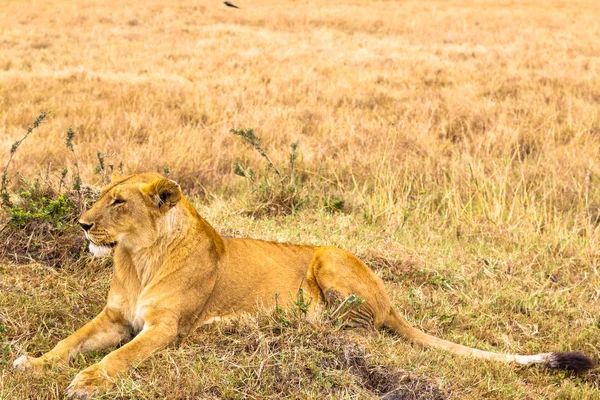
[(86, 227)]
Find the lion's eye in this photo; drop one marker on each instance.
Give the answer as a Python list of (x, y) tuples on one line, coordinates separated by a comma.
[(116, 202)]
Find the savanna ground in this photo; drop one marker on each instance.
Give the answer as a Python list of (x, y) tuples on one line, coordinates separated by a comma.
[(452, 145)]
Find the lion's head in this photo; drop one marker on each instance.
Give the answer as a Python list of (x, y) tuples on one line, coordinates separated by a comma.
[(130, 211)]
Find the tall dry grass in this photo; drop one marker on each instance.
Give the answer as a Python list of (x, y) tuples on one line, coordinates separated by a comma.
[(462, 137)]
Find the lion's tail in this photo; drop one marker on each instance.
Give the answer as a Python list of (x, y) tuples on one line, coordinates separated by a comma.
[(572, 361)]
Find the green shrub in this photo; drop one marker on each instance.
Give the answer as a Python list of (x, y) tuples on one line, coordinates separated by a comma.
[(275, 190), (42, 212)]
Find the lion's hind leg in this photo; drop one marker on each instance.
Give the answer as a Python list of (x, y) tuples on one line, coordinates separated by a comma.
[(350, 311), (353, 294)]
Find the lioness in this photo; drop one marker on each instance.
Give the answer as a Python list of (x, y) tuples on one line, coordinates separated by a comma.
[(174, 272)]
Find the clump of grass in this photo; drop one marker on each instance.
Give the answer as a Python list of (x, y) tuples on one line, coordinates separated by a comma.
[(276, 190), (250, 357), (42, 225), (43, 213), (37, 202)]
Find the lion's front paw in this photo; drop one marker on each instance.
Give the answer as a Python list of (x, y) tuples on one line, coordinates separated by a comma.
[(32, 364), (88, 382)]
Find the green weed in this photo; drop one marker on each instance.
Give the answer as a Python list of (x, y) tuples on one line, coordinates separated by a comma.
[(276, 190)]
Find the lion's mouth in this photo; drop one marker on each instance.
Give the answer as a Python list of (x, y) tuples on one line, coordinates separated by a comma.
[(101, 250)]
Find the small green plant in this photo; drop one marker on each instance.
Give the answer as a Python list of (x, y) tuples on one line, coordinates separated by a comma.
[(42, 213), (301, 304), (285, 315), (240, 170), (70, 146), (38, 205), (441, 281), (293, 157), (278, 190), (13, 149), (334, 204), (42, 221), (281, 313), (340, 312), (249, 137), (63, 174), (103, 168)]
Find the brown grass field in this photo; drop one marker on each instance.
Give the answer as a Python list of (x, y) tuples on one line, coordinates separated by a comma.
[(453, 145)]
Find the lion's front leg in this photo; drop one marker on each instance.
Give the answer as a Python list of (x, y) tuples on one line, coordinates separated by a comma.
[(107, 329), (102, 375)]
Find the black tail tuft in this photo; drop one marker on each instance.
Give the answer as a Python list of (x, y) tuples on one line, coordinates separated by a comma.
[(572, 361)]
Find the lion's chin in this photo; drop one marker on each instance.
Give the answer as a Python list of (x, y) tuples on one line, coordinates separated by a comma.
[(100, 250)]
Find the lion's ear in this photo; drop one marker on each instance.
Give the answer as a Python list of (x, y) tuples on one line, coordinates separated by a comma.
[(115, 177), (164, 193)]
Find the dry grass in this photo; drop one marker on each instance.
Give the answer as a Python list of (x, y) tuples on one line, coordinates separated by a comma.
[(272, 355), (462, 138)]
